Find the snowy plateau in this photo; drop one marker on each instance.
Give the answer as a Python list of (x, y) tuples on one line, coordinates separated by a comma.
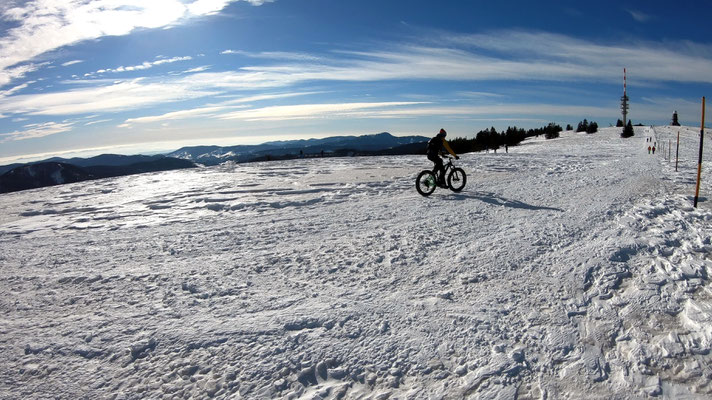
[(571, 268)]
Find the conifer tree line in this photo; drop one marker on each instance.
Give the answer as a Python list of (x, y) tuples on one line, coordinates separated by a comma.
[(490, 139), (588, 127), (493, 140)]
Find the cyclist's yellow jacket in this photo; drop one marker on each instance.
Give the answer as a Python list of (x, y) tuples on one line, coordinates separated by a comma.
[(447, 147)]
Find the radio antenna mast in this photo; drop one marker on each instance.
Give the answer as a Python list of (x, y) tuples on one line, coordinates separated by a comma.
[(624, 100)]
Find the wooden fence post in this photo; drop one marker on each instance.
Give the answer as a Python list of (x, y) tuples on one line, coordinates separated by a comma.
[(699, 162)]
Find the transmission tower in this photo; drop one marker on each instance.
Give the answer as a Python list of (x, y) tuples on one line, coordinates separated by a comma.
[(624, 100)]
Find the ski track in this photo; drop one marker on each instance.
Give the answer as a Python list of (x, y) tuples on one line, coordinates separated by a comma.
[(568, 268)]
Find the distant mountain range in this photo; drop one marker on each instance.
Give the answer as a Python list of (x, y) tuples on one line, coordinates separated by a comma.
[(114, 160), (382, 143), (58, 170), (50, 173)]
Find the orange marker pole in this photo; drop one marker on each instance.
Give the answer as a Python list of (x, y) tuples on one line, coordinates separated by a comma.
[(699, 163)]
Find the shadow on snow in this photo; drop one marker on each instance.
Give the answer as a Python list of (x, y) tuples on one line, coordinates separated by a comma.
[(494, 199)]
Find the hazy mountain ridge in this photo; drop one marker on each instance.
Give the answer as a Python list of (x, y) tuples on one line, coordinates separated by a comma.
[(382, 143), (15, 177), (334, 146), (113, 160), (40, 175), (37, 175)]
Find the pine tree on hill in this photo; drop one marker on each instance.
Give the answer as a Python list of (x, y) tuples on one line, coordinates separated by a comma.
[(628, 130), (582, 126), (552, 130)]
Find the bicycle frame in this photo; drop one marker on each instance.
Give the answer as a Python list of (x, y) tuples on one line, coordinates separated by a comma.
[(446, 167)]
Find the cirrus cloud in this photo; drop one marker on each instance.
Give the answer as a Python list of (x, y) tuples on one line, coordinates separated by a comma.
[(46, 25), (119, 96), (32, 131), (140, 67)]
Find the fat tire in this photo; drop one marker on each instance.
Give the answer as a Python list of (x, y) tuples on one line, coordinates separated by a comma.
[(425, 183), (456, 179)]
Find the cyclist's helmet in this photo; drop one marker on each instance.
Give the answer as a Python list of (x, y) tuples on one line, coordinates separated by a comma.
[(442, 133)]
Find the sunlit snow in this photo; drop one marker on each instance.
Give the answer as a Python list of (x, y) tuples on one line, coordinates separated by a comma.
[(567, 268)]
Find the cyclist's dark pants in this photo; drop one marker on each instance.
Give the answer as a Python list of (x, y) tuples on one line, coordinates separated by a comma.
[(439, 169)]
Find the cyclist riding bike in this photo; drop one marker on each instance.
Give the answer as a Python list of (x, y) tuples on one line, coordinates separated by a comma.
[(435, 148)]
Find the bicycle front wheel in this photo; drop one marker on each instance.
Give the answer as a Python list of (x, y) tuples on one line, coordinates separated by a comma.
[(456, 179), (425, 183)]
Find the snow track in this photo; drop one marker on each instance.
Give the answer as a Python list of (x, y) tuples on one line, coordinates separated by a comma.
[(568, 268)]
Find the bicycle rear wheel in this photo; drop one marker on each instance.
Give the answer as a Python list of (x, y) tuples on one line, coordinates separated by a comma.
[(425, 183), (456, 179)]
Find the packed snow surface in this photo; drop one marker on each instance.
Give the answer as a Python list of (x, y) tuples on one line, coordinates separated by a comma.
[(567, 268)]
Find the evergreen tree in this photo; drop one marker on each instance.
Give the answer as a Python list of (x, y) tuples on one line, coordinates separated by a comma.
[(569, 127), (552, 130), (628, 130), (582, 126), (494, 139), (592, 127), (483, 138), (619, 123)]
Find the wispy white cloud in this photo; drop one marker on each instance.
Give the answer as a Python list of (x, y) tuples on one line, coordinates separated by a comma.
[(45, 25), (8, 75), (175, 115), (275, 55), (506, 55), (32, 131), (140, 67), (15, 89), (197, 69), (410, 110), (126, 95), (68, 63), (100, 121), (209, 111), (640, 16), (547, 56), (311, 111), (479, 95), (567, 60)]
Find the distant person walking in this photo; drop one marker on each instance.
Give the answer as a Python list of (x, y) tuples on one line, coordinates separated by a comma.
[(653, 149), (649, 149)]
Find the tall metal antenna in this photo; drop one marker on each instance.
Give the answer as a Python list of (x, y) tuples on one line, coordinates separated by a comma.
[(624, 100)]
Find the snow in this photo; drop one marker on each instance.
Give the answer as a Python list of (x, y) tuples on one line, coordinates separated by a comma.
[(567, 268)]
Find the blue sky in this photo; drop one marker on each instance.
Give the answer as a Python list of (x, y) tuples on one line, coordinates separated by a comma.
[(84, 77)]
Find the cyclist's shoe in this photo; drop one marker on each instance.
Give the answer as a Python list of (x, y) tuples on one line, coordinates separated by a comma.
[(442, 184)]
